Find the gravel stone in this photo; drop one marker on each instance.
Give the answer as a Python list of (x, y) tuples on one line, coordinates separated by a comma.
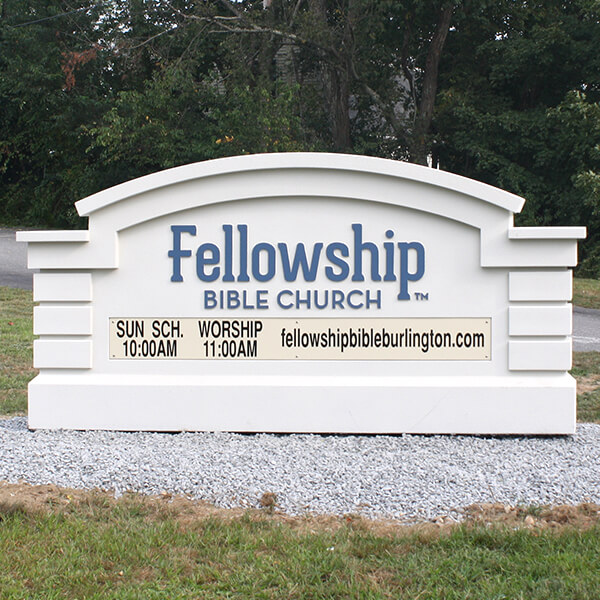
[(409, 477)]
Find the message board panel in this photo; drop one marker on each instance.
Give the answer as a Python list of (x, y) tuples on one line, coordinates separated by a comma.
[(300, 339), (299, 292)]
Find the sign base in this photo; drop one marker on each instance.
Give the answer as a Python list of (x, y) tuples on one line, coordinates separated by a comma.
[(540, 405)]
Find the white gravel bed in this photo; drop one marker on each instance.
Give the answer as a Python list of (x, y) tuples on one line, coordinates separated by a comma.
[(407, 476)]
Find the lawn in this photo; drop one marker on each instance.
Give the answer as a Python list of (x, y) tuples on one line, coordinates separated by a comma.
[(586, 292), (16, 355), (69, 544), (92, 546)]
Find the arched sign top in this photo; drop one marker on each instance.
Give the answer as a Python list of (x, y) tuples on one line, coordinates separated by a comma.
[(317, 163)]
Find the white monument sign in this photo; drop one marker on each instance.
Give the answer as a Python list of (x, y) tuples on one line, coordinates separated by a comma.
[(303, 293)]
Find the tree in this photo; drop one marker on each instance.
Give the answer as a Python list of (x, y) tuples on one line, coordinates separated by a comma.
[(47, 90), (518, 109), (387, 52), (200, 97), (95, 94)]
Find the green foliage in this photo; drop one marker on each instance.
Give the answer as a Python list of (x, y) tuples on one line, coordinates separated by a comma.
[(177, 120), (91, 97), (47, 91), (519, 110)]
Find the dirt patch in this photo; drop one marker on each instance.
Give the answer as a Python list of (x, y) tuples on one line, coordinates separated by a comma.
[(588, 383), (581, 516), (46, 499)]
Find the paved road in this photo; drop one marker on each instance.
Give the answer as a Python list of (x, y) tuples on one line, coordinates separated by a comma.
[(586, 329), (13, 262), (14, 273)]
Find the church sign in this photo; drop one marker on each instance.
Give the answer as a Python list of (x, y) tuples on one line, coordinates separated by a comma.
[(303, 293)]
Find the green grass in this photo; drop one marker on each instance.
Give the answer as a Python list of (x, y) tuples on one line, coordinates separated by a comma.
[(586, 369), (130, 549), (588, 407), (127, 551), (586, 292), (16, 355)]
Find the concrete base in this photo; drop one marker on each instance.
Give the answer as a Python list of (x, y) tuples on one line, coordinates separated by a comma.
[(542, 405)]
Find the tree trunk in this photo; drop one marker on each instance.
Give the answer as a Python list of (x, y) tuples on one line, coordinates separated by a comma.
[(418, 146), (336, 75), (339, 111)]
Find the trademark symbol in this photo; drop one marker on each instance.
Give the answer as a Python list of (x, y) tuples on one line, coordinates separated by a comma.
[(421, 295)]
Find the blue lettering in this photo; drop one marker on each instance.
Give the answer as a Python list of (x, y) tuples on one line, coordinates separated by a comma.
[(176, 253), (270, 250), (228, 274), (233, 299), (300, 301), (243, 276), (290, 272), (376, 300), (349, 299), (389, 257), (280, 298), (210, 299), (202, 259), (246, 304), (262, 261), (405, 274), (262, 300), (337, 299), (359, 247), (337, 261), (323, 304)]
